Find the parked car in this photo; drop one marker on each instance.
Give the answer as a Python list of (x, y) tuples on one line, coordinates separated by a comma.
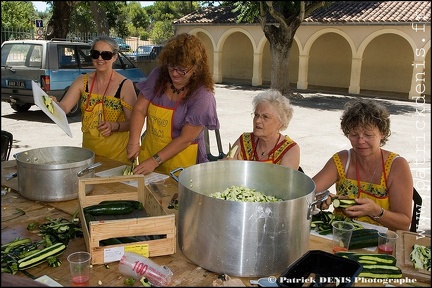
[(54, 65), (124, 47), (146, 52)]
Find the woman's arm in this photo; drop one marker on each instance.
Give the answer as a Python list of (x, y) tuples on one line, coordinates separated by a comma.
[(291, 158), (73, 94), (136, 123), (128, 95)]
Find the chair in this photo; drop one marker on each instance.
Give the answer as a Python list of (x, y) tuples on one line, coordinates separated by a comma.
[(210, 156), (6, 145), (416, 211)]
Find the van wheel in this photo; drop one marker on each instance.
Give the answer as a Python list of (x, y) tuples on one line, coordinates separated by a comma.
[(75, 111), (21, 108)]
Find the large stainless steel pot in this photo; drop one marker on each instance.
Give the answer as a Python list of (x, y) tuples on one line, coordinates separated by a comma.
[(244, 239), (50, 174)]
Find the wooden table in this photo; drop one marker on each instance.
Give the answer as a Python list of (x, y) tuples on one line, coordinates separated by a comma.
[(185, 272)]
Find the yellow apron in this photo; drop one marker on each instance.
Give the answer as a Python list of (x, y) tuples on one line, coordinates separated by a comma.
[(376, 192), (93, 108), (159, 134)]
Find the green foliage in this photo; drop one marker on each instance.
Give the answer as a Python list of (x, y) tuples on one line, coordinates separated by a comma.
[(162, 31), (17, 15)]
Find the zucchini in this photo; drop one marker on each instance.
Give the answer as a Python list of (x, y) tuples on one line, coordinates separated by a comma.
[(135, 203), (109, 209), (110, 241), (372, 259), (343, 203), (363, 238), (381, 271), (41, 256), (129, 239)]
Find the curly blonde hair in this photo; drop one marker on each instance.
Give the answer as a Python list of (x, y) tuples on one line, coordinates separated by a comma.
[(185, 50)]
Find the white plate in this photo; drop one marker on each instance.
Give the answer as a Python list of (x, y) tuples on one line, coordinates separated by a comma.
[(59, 116)]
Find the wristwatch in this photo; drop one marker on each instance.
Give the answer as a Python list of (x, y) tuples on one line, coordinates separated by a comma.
[(379, 216), (157, 158)]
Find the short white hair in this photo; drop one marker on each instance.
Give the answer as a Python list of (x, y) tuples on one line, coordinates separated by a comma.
[(281, 105)]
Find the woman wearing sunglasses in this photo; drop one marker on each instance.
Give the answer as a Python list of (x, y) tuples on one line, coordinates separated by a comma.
[(176, 101), (106, 99)]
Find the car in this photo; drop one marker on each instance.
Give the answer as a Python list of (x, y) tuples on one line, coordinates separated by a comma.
[(124, 47), (145, 52), (54, 65)]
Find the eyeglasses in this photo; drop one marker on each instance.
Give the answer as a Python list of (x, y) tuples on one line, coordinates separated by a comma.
[(106, 55), (179, 70), (358, 136), (265, 117)]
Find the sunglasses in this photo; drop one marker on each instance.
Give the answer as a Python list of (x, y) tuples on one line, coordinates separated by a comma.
[(106, 55)]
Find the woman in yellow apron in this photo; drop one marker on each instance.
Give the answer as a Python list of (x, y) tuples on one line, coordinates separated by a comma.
[(176, 102), (272, 113), (106, 100), (379, 180)]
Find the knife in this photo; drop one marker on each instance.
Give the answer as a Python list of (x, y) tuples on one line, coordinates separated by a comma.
[(156, 189), (11, 176), (173, 201)]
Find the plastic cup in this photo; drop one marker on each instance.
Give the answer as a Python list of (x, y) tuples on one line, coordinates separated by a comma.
[(387, 242), (79, 263), (342, 232)]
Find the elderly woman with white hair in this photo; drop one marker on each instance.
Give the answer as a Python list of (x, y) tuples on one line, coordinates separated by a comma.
[(272, 114)]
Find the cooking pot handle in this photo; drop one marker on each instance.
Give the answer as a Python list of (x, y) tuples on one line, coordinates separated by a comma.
[(88, 169), (325, 194), (172, 173)]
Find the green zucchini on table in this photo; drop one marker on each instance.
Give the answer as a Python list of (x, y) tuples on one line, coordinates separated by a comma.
[(363, 238), (41, 256), (116, 208), (374, 265)]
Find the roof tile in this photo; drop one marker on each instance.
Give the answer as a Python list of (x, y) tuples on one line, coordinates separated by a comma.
[(339, 12)]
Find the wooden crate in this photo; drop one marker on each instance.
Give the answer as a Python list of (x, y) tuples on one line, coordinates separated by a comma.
[(159, 222)]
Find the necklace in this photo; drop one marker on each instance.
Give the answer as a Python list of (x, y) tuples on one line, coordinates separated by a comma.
[(271, 151), (175, 90), (371, 179)]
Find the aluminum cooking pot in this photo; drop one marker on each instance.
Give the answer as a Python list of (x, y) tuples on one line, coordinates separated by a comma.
[(50, 174), (244, 239)]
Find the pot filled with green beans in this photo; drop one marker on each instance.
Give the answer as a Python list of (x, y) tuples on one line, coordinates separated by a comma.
[(244, 218)]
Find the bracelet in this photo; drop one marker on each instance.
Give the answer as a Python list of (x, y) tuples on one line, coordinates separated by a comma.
[(157, 158), (378, 216)]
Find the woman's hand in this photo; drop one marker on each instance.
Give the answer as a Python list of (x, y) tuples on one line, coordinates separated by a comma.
[(133, 150), (326, 204), (364, 207), (105, 128), (146, 167)]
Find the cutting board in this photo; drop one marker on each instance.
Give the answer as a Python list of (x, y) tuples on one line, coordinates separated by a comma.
[(404, 246), (59, 116)]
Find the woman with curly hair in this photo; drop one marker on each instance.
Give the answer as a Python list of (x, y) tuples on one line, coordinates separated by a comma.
[(379, 180), (176, 101)]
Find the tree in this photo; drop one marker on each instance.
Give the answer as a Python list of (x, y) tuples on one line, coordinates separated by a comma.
[(58, 25), (279, 22), (16, 16)]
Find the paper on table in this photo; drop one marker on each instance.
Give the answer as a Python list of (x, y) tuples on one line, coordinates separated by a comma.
[(118, 171), (48, 281), (59, 116)]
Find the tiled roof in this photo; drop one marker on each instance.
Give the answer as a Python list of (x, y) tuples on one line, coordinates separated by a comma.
[(339, 12)]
